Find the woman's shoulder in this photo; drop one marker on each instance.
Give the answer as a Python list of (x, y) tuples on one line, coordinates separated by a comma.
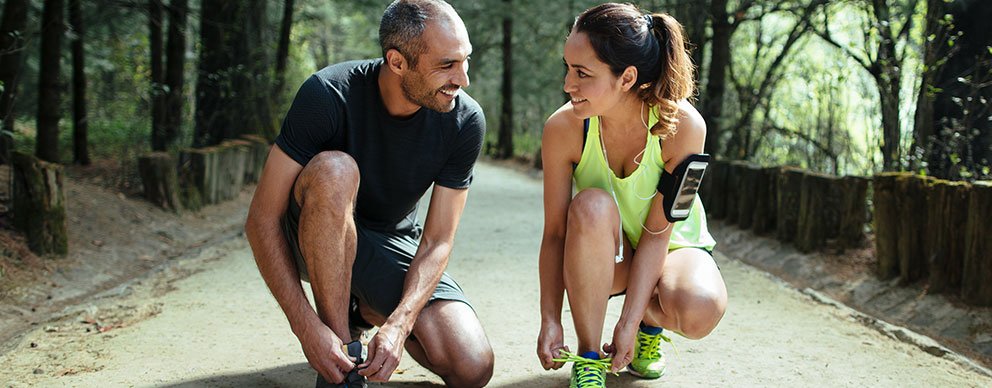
[(690, 120), (563, 133), (563, 120)]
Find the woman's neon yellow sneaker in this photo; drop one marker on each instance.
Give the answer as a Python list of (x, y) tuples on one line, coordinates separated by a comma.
[(649, 361), (586, 372)]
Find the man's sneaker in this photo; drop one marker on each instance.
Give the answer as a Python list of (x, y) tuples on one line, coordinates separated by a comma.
[(586, 372), (353, 379), (649, 361)]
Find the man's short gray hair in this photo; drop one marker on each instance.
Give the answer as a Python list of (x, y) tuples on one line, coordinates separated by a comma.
[(404, 21)]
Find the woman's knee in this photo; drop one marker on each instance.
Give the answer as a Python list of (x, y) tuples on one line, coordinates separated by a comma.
[(590, 208), (328, 172), (700, 311)]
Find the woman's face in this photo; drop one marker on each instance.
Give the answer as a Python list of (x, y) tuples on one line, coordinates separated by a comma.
[(589, 81)]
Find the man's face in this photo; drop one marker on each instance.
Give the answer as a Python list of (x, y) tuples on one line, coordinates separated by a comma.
[(442, 70)]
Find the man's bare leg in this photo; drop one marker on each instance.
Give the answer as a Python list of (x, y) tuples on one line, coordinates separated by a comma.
[(448, 340), (326, 190)]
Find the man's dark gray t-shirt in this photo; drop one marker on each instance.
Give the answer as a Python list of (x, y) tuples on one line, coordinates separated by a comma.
[(340, 108)]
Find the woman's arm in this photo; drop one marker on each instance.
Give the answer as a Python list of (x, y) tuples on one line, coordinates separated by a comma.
[(560, 148), (652, 249)]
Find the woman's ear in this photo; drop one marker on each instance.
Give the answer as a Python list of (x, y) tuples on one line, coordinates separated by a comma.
[(628, 78)]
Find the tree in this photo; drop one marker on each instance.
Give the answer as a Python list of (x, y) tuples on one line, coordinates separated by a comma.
[(282, 52), (157, 74), (953, 133), (232, 79), (754, 92), (80, 144), (49, 88), (887, 24), (504, 147), (15, 15), (175, 52)]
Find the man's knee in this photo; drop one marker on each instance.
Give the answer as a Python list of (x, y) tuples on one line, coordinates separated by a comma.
[(329, 172), (472, 368), (591, 208)]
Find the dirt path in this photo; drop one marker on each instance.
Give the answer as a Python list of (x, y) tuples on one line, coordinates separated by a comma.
[(209, 321)]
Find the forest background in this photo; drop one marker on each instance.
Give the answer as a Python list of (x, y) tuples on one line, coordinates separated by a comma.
[(843, 87)]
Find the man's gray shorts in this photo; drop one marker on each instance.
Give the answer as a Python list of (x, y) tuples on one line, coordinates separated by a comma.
[(381, 262)]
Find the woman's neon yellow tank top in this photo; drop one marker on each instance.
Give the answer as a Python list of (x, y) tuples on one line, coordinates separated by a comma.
[(635, 192)]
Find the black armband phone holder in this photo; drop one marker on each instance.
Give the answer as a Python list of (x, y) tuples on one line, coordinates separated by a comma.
[(678, 188)]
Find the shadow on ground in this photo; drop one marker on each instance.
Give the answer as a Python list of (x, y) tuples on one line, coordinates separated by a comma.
[(301, 375)]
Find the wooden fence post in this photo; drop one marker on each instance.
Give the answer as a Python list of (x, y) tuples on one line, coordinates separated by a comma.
[(765, 204), (854, 212), (789, 189), (947, 215), (976, 281), (911, 246), (39, 204), (886, 199), (747, 194), (716, 192), (818, 213)]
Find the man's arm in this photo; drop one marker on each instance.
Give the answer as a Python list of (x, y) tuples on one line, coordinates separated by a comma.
[(275, 263), (422, 278)]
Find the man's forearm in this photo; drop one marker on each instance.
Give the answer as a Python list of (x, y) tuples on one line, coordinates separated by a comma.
[(274, 264), (421, 280)]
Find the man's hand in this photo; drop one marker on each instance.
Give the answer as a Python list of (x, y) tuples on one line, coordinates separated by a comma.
[(325, 354), (622, 348), (384, 354), (549, 343)]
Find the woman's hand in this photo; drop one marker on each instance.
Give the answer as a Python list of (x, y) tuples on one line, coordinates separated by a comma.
[(622, 348), (549, 342)]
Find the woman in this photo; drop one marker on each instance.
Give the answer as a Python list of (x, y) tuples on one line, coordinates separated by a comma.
[(629, 76)]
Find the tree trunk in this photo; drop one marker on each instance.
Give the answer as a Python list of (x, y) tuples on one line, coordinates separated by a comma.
[(49, 81), (39, 204), (80, 131), (504, 147), (886, 69), (716, 80), (157, 74), (924, 128), (282, 52), (174, 74), (160, 179), (12, 28), (976, 283), (227, 97)]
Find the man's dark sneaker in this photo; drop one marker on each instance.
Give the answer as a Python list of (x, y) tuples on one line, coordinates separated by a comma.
[(353, 379), (356, 324)]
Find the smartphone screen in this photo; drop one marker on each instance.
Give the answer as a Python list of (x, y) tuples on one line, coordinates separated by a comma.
[(688, 188)]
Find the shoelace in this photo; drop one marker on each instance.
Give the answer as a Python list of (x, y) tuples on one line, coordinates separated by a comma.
[(650, 345), (589, 372)]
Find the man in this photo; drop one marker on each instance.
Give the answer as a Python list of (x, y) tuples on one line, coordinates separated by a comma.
[(336, 205)]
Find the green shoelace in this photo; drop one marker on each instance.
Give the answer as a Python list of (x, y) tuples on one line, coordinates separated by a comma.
[(650, 345), (589, 372)]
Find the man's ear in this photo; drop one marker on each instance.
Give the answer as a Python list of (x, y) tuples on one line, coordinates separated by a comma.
[(396, 61), (628, 78)]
